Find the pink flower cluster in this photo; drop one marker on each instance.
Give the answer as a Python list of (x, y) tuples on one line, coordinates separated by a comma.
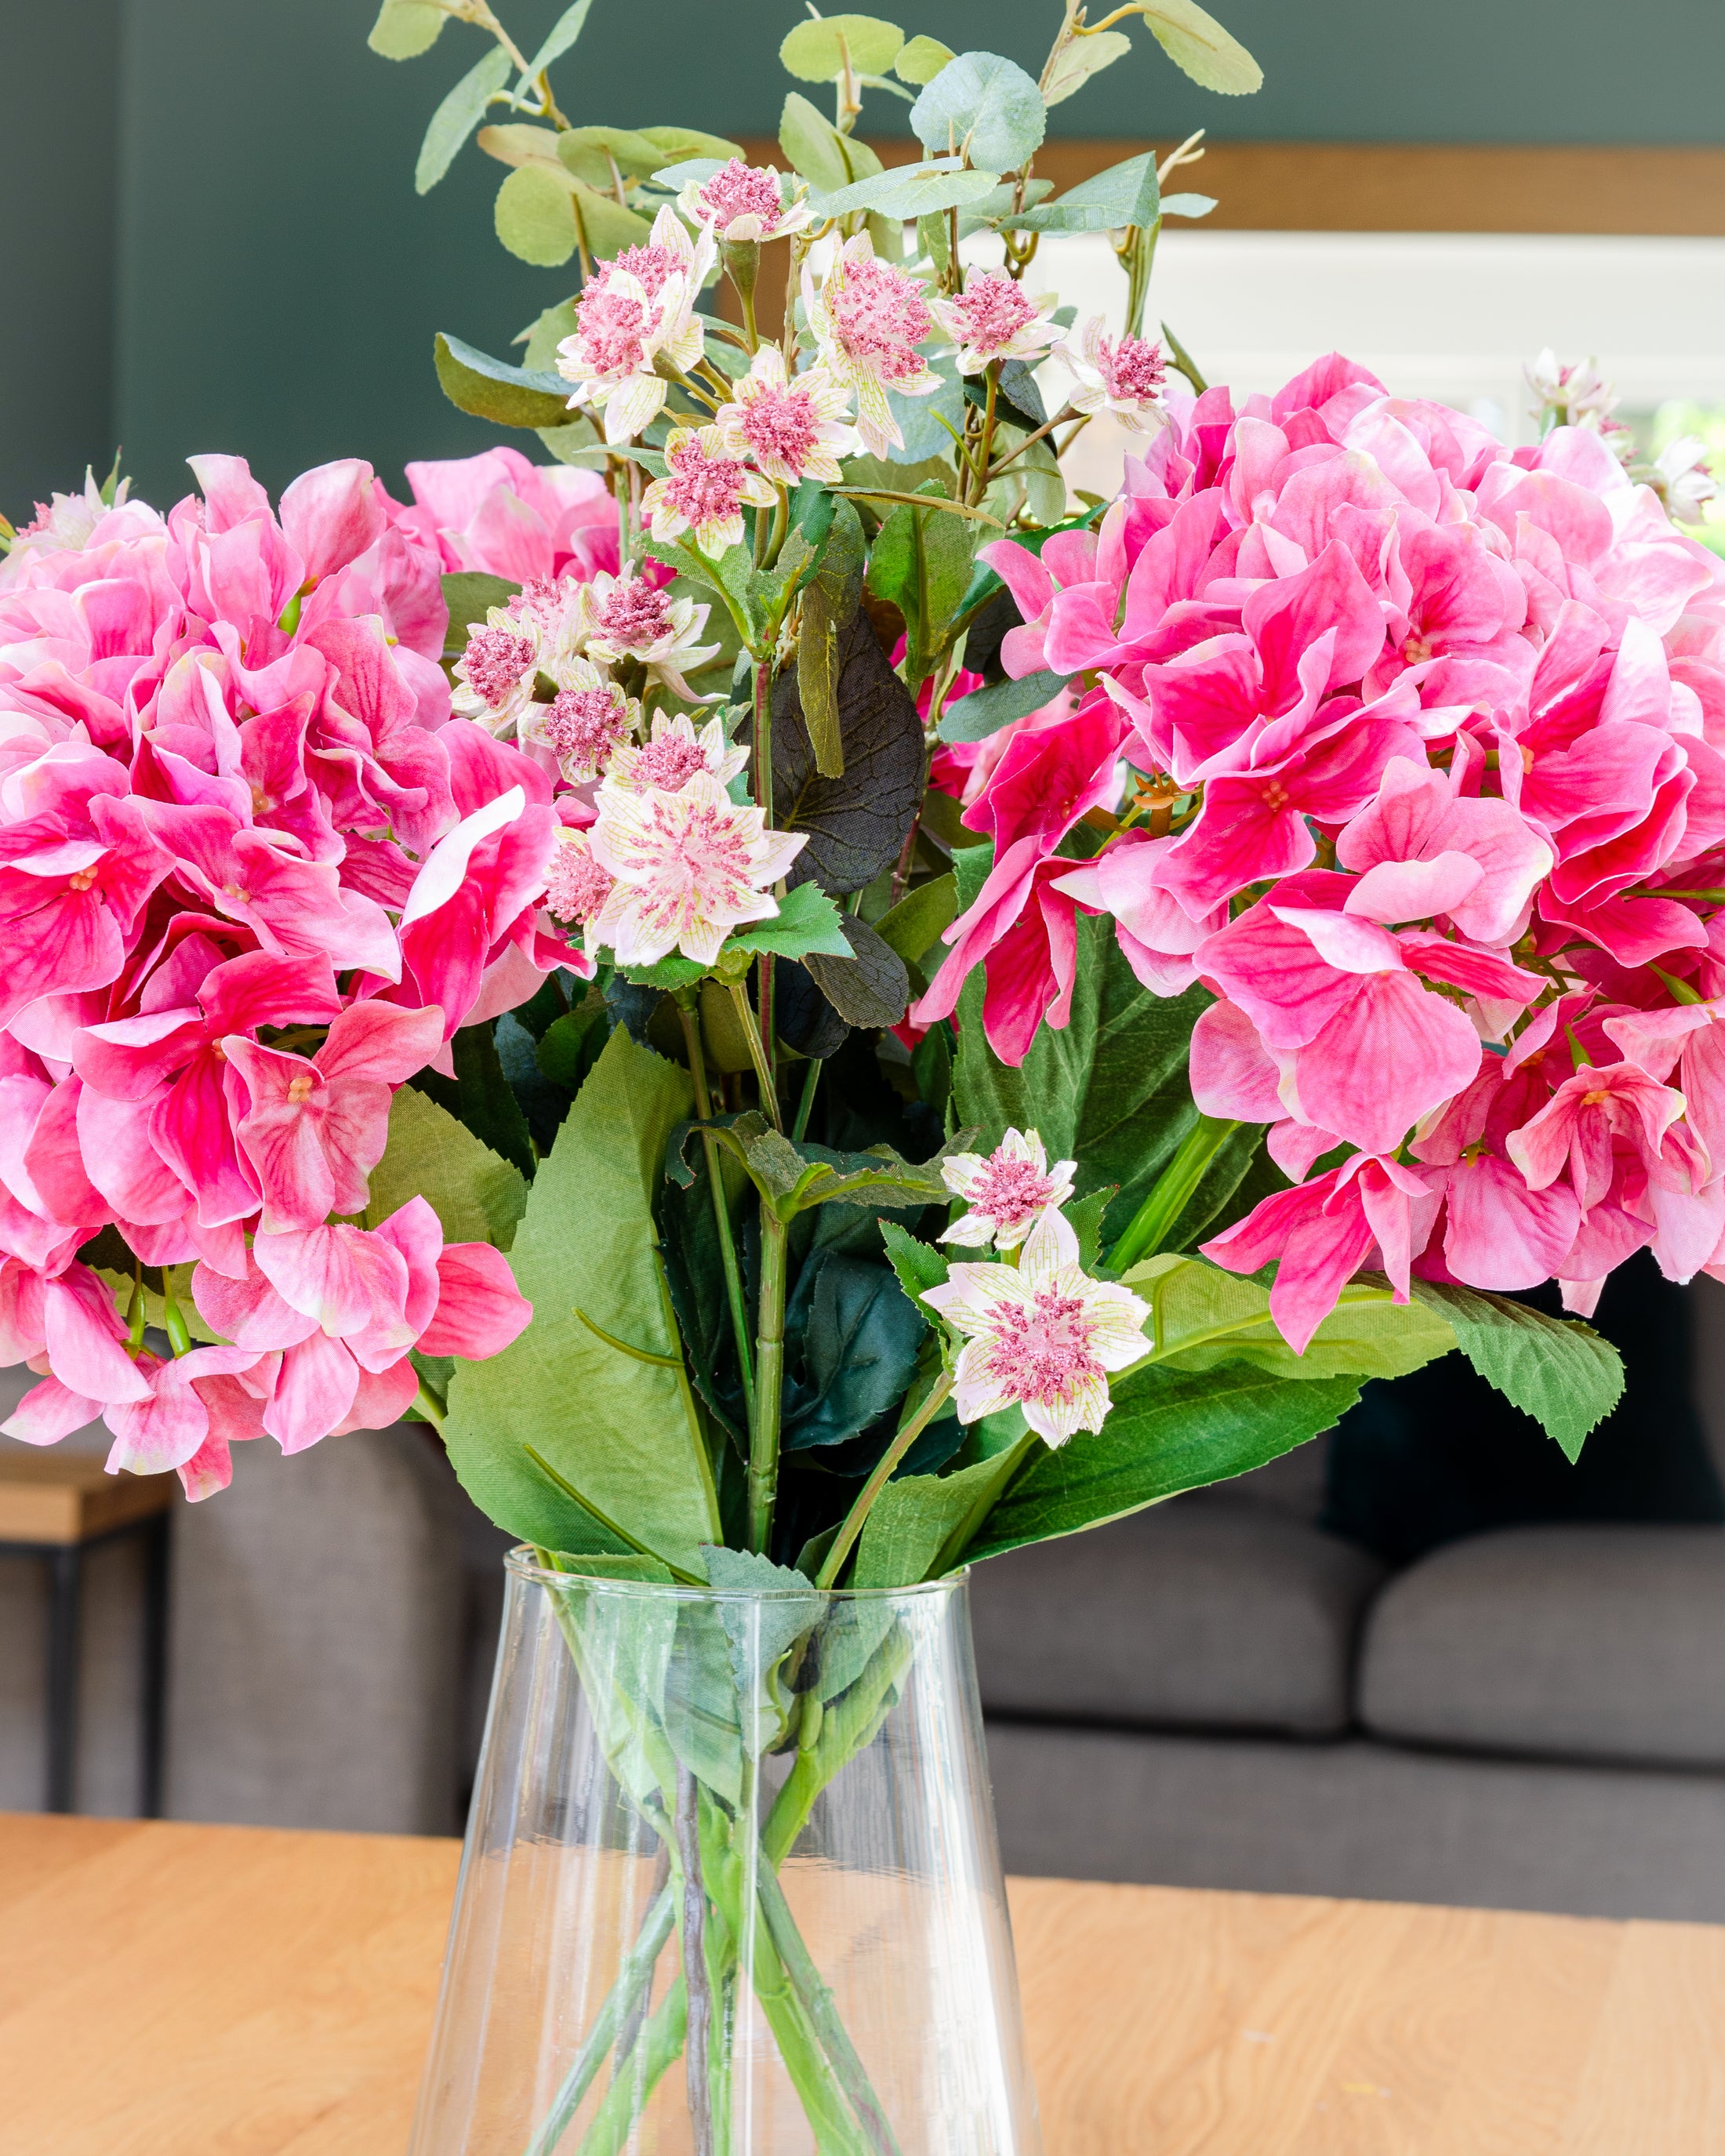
[(253, 879), (1420, 741)]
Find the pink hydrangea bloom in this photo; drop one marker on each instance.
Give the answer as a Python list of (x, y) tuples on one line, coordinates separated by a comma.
[(1040, 1335)]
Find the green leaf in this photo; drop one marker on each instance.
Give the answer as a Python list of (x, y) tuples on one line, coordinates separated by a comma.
[(1203, 1317), (920, 564), (1197, 45), (606, 226), (921, 916), (815, 148), (912, 1521), (919, 1265), (819, 51), (535, 215), (1084, 1215), (985, 107), (469, 594), (541, 342), (561, 34), (856, 822), (615, 1427), (516, 143), (773, 1607), (675, 143), (984, 711), (477, 1194), (672, 971), (405, 29), (612, 1565), (1187, 205), (807, 923), (1557, 1370), (1081, 59), (921, 60), (867, 986), (479, 1096), (1125, 194), (829, 601), (457, 117), (908, 191), (1168, 1430), (590, 152), (927, 424), (491, 389)]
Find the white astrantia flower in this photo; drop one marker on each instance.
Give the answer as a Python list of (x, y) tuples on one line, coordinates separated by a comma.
[(619, 618), (994, 318), (635, 310), (741, 203), (672, 755), (1008, 1191), (703, 492), (1680, 477), (1576, 395), (690, 866), (495, 675), (1123, 376), (794, 428), (1040, 1335), (584, 725), (867, 317)]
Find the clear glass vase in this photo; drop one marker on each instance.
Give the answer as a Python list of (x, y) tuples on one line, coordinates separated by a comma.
[(730, 1885)]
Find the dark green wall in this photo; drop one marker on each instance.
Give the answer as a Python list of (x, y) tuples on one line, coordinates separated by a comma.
[(278, 282)]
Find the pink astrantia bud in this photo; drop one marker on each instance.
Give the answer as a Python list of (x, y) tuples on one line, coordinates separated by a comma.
[(703, 491), (673, 755), (619, 618), (1008, 1192), (868, 319), (1040, 1335), (689, 867), (994, 318), (1125, 376), (576, 886), (494, 675), (793, 429), (742, 203), (583, 724)]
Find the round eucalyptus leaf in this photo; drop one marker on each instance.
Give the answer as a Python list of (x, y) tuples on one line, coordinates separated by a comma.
[(985, 107), (921, 60), (818, 51), (535, 215)]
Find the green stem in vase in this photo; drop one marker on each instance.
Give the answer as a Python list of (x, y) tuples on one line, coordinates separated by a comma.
[(721, 1212), (696, 1974), (637, 2076)]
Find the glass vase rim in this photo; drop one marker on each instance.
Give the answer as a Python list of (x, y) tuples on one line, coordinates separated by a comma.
[(522, 1565)]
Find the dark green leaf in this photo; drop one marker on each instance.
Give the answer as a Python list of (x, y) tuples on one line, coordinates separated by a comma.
[(479, 1096), (984, 711), (856, 822), (1557, 1370), (563, 1048), (871, 986), (1168, 1430), (984, 106), (457, 117), (491, 389), (859, 1340)]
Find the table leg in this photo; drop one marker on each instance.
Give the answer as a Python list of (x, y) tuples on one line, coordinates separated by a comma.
[(153, 1710), (65, 1574)]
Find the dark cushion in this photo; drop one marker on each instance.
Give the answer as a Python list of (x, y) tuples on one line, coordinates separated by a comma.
[(1207, 1612), (1439, 1455), (1581, 1642)]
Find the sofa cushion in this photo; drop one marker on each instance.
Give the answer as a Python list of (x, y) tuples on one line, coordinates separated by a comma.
[(1585, 1642), (1206, 1612)]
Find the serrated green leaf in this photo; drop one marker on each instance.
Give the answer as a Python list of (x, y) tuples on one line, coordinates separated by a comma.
[(1203, 1317), (1167, 1430), (534, 215), (457, 117), (492, 389), (919, 1265), (986, 107), (615, 1427), (405, 29), (818, 51), (1125, 194), (1197, 45), (479, 1096), (768, 1607), (921, 60), (1081, 59), (1085, 1217), (612, 1565), (807, 924), (984, 711), (1557, 1370), (478, 1195), (912, 1521)]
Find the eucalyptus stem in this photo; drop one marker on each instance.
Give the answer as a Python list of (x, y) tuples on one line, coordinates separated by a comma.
[(1169, 1196), (721, 1212), (769, 1381), (857, 1517)]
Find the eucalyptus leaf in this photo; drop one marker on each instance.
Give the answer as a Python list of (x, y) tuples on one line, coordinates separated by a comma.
[(561, 34), (814, 147), (455, 119), (909, 190), (869, 986), (928, 423), (492, 389), (1081, 58), (1197, 45), (984, 711), (675, 143), (1187, 205), (535, 214), (518, 144), (590, 153), (405, 29), (477, 1194), (1557, 1370), (1125, 194), (606, 226), (984, 106), (921, 60), (820, 50), (615, 1426)]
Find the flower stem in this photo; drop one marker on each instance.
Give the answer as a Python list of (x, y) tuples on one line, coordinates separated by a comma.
[(811, 1079), (769, 1380), (758, 1056), (855, 1519), (1148, 1228), (721, 1212), (696, 1977)]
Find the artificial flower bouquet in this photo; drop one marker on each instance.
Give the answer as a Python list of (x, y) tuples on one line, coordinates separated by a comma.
[(820, 1008)]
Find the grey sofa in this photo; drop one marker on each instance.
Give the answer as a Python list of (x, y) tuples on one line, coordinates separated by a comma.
[(1212, 1693)]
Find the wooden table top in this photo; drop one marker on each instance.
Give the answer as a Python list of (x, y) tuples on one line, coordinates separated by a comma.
[(170, 1990), (68, 1498)]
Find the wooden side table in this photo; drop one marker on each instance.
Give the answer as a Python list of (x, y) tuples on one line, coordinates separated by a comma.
[(57, 1509)]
